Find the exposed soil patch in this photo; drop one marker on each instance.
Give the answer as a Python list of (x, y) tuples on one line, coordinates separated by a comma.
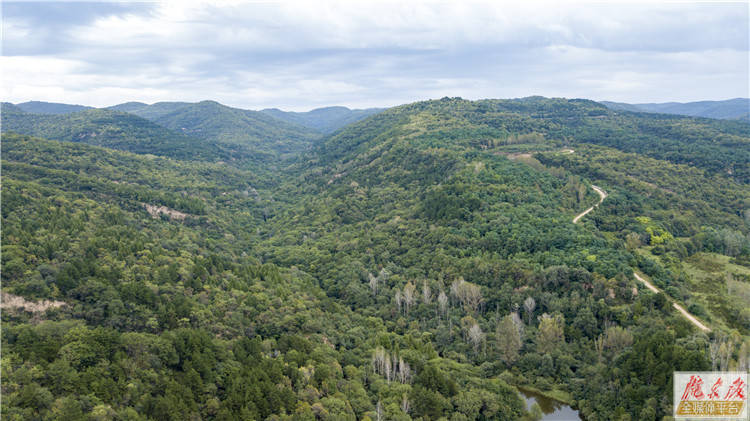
[(10, 301), (157, 211), (514, 156)]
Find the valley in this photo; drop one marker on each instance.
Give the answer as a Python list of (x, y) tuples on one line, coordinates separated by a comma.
[(199, 261)]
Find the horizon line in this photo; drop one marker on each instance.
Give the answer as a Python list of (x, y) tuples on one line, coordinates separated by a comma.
[(378, 107)]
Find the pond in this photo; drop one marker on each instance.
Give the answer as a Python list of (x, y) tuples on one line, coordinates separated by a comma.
[(552, 409)]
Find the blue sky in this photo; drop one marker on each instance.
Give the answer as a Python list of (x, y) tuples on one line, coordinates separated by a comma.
[(302, 55)]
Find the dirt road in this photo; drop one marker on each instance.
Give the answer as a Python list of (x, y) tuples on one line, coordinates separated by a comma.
[(678, 307), (602, 195), (649, 285)]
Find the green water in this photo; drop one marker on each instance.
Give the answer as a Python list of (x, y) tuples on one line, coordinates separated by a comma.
[(552, 409)]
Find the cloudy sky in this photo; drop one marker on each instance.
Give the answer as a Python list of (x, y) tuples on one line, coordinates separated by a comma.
[(305, 54)]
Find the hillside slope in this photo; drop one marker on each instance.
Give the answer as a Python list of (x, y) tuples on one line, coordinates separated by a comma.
[(209, 120), (719, 147), (447, 197), (151, 267), (121, 131), (421, 263), (155, 264)]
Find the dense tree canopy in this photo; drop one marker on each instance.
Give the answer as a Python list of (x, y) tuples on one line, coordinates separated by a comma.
[(419, 264)]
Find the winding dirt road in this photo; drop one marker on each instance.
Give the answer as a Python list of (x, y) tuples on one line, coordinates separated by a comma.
[(678, 307), (649, 285), (602, 195)]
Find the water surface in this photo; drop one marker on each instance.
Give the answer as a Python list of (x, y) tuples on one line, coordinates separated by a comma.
[(552, 409)]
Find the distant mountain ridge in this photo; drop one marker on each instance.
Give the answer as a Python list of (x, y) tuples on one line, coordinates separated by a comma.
[(271, 131), (210, 120), (325, 120), (293, 131), (737, 108), (117, 130), (147, 111), (329, 119), (41, 107)]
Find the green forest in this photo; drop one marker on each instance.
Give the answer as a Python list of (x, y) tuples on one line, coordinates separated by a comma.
[(420, 263)]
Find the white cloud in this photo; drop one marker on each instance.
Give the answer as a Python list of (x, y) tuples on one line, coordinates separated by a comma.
[(298, 55)]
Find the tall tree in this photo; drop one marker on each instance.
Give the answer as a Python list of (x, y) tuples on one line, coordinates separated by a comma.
[(373, 281), (550, 333), (426, 292), (443, 302), (529, 305), (476, 336), (508, 339), (409, 295)]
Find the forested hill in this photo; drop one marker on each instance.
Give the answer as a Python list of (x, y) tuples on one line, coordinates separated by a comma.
[(41, 107), (325, 120), (474, 200), (167, 311), (121, 131), (209, 120), (419, 264), (719, 147)]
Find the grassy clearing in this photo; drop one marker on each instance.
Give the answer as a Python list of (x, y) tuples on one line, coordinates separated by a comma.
[(716, 288)]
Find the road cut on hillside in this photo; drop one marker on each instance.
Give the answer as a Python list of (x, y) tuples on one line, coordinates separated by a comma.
[(602, 196), (678, 307)]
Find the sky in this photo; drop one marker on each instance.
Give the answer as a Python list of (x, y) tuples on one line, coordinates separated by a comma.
[(299, 55)]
